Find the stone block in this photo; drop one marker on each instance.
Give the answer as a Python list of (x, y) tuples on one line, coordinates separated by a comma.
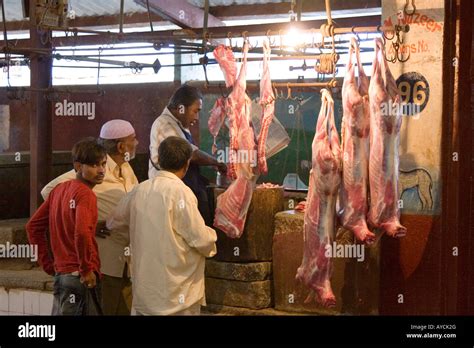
[(255, 295), (32, 279), (255, 244), (247, 272), (13, 231)]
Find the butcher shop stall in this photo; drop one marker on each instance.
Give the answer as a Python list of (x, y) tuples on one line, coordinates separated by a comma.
[(346, 128)]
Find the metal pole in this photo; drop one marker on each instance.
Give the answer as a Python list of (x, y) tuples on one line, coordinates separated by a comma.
[(40, 115)]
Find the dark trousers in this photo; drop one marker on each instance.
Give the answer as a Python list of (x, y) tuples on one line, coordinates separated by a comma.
[(113, 300), (203, 206), (71, 297)]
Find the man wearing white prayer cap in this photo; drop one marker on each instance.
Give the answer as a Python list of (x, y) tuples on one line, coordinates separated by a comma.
[(118, 138)]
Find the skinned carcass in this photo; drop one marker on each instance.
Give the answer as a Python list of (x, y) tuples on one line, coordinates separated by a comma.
[(233, 204), (355, 133), (385, 123), (267, 101), (319, 219)]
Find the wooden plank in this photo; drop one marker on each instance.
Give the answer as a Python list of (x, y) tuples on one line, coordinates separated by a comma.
[(457, 171), (465, 303)]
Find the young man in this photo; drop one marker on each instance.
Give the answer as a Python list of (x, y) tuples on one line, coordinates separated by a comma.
[(118, 138), (181, 113), (70, 216), (169, 239)]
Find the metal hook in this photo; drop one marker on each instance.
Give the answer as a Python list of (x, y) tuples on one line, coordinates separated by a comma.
[(406, 6), (229, 36), (400, 54), (251, 47), (270, 41), (383, 33), (222, 91), (356, 35), (395, 56)]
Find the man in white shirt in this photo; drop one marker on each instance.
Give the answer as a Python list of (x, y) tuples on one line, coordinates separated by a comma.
[(168, 237), (181, 113), (118, 138)]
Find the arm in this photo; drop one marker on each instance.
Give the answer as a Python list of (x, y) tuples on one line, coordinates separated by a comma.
[(119, 221), (55, 182), (84, 231), (37, 229), (201, 158), (189, 224)]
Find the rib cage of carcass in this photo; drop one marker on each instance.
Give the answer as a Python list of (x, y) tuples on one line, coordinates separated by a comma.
[(233, 204)]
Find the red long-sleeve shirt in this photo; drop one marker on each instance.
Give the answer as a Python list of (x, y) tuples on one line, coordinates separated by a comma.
[(70, 214)]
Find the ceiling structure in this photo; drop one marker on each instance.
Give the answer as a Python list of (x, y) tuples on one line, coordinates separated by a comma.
[(99, 14)]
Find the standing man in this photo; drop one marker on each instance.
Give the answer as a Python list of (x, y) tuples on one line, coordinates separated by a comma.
[(118, 138), (70, 216), (181, 113), (169, 239)]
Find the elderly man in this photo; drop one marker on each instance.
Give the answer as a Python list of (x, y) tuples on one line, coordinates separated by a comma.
[(118, 138), (181, 113), (169, 239)]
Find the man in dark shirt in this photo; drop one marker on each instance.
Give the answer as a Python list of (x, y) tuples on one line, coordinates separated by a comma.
[(70, 216)]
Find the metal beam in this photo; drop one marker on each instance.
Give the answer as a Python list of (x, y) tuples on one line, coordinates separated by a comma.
[(181, 13), (105, 38), (40, 115)]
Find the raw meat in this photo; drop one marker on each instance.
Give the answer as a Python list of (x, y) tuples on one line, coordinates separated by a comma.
[(325, 178), (301, 206), (355, 139), (225, 58), (267, 101), (232, 205), (216, 119), (269, 185), (385, 123)]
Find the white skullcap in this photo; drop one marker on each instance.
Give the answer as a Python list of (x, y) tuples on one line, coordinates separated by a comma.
[(116, 129)]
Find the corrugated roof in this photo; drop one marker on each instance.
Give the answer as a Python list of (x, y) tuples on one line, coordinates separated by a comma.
[(84, 8), (200, 3)]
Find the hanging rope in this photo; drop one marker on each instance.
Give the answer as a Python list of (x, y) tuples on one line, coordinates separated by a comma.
[(327, 63)]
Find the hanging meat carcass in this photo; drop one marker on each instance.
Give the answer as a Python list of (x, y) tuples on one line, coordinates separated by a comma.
[(216, 120), (355, 132), (232, 205), (319, 219), (385, 123), (267, 101)]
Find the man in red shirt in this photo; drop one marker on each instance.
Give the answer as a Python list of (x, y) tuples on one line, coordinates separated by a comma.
[(70, 216)]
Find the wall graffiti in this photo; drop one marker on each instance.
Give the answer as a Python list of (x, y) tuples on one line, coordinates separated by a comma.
[(419, 179)]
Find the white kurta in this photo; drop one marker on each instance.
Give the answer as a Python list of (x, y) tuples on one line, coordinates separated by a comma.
[(117, 182), (169, 243), (166, 125)]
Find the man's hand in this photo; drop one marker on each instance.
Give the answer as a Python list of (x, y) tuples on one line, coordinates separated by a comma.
[(89, 280), (101, 230), (222, 167)]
